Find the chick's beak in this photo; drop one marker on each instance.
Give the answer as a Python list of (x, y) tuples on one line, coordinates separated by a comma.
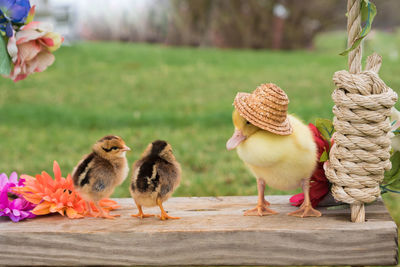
[(125, 148), (235, 140)]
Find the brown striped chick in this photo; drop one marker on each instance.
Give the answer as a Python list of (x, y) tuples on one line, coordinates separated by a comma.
[(155, 177), (98, 173)]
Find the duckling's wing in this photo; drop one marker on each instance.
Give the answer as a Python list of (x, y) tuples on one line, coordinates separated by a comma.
[(302, 134)]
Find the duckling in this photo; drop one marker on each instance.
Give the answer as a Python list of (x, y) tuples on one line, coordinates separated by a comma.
[(155, 177), (98, 173), (279, 149)]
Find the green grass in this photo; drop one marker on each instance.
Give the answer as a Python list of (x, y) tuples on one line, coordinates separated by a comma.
[(184, 95)]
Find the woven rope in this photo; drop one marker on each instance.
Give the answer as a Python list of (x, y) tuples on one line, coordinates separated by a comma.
[(363, 103)]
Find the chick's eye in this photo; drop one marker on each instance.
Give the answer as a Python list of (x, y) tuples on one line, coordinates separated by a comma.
[(114, 148), (247, 122)]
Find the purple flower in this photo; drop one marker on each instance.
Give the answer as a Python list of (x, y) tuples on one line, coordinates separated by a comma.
[(11, 204), (13, 11)]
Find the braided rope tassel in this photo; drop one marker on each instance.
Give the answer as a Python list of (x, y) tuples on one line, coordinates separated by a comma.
[(361, 151)]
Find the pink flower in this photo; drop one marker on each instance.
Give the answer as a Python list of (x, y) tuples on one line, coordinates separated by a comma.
[(31, 49), (13, 205)]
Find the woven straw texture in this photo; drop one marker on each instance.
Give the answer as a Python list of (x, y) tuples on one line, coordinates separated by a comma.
[(361, 150), (266, 108)]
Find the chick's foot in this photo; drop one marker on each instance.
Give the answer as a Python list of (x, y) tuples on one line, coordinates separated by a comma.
[(306, 211), (260, 210), (109, 216), (89, 211), (104, 213), (142, 215), (164, 216)]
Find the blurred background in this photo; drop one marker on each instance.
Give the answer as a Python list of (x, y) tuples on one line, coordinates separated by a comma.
[(170, 69), (252, 24)]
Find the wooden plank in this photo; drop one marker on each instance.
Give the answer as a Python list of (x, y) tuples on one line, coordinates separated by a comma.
[(212, 231)]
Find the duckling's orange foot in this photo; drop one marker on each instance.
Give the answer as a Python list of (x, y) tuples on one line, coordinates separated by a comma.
[(260, 211), (306, 211), (142, 215), (266, 203)]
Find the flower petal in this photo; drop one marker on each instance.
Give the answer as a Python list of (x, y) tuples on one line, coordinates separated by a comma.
[(9, 29), (28, 51), (25, 35), (297, 199), (13, 178), (7, 4), (3, 180), (31, 14), (40, 62), (109, 204), (41, 209), (19, 10), (71, 213), (53, 41), (56, 171), (16, 212), (13, 217)]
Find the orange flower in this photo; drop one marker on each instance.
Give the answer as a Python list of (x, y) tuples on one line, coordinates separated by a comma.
[(56, 195)]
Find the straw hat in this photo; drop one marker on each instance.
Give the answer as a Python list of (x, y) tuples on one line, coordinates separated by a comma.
[(265, 108)]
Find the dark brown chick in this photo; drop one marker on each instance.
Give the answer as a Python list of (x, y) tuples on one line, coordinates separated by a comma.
[(155, 177), (98, 173)]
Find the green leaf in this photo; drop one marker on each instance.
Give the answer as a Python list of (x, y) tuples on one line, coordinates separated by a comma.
[(395, 185), (368, 13), (5, 62), (394, 180), (392, 177), (325, 127), (324, 156)]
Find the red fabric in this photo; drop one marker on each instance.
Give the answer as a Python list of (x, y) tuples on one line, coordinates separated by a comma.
[(319, 185)]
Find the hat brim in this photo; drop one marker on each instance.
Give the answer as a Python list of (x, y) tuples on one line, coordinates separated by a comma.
[(264, 122)]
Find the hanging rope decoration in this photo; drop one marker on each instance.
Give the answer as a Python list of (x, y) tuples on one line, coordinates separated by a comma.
[(361, 150)]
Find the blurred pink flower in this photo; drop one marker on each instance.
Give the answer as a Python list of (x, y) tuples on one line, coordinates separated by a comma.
[(31, 49), (13, 205)]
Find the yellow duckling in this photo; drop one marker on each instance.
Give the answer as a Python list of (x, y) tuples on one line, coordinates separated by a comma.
[(279, 149)]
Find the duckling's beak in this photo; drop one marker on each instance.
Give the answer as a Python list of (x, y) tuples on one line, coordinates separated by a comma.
[(125, 148), (235, 140)]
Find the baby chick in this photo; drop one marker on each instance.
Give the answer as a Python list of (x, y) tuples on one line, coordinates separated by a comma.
[(282, 161), (98, 173), (155, 177)]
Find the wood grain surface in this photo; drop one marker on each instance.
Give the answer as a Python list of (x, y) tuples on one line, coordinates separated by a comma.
[(212, 231)]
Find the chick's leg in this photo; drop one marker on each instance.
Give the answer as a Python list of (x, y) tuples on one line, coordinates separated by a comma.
[(306, 209), (89, 211), (262, 204), (164, 215), (103, 213), (140, 214)]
